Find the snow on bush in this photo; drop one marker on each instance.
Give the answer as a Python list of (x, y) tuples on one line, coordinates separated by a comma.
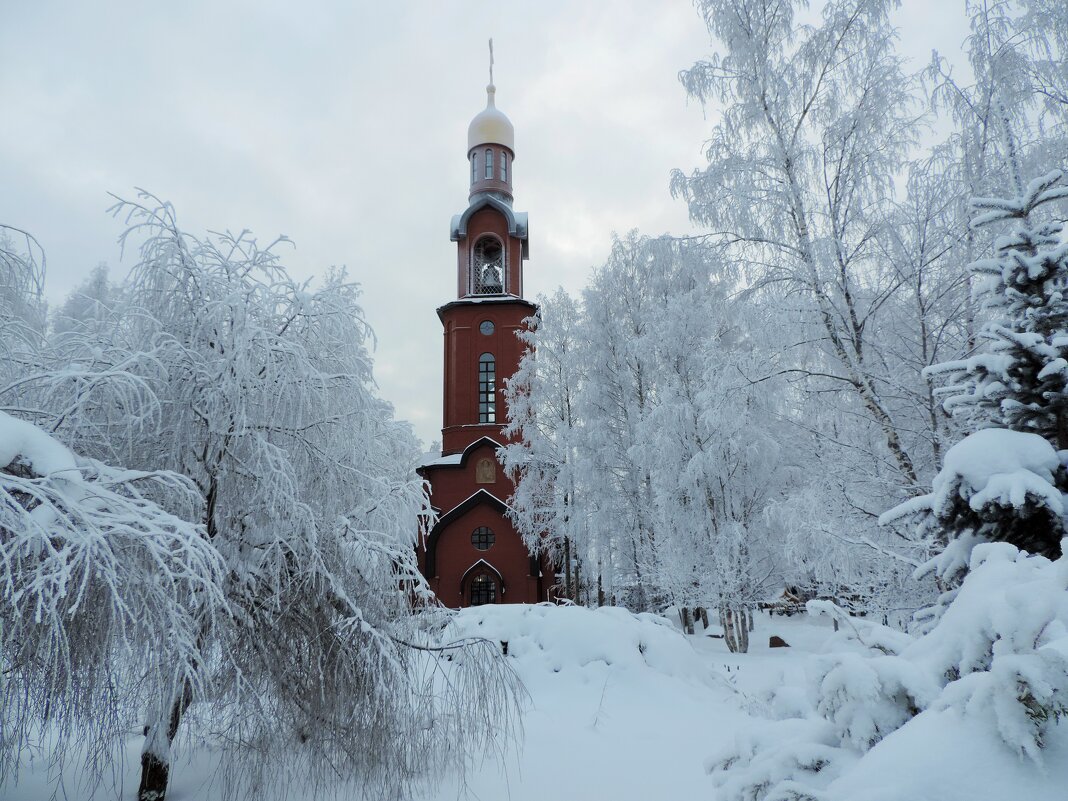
[(997, 659), (567, 638), (549, 639), (995, 484)]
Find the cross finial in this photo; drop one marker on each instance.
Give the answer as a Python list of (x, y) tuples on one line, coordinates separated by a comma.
[(491, 60)]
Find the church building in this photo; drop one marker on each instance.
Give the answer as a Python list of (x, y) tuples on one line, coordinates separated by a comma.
[(473, 554)]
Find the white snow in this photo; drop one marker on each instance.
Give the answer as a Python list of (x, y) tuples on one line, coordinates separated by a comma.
[(27, 443), (1001, 466), (625, 707), (451, 459), (991, 466)]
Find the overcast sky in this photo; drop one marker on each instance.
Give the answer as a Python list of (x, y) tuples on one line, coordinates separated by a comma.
[(343, 126)]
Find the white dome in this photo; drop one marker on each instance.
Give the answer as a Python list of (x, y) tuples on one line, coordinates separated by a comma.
[(490, 127)]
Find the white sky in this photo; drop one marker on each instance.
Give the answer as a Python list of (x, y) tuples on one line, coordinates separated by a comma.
[(343, 125)]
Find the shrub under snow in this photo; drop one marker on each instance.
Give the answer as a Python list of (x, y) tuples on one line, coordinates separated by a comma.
[(996, 662)]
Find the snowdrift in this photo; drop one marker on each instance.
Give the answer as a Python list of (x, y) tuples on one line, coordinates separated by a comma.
[(546, 639), (975, 708)]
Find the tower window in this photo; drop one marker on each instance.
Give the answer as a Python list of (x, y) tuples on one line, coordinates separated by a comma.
[(487, 388), (483, 538), (504, 166), (483, 590), (489, 163), (474, 167), (487, 267)]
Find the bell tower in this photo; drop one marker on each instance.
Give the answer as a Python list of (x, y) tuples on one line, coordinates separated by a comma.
[(492, 243), (473, 554)]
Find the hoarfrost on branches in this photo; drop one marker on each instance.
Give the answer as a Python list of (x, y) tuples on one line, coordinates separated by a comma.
[(313, 650)]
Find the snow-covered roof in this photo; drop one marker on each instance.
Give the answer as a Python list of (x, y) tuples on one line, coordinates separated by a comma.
[(483, 564), (451, 459), (487, 299), (457, 459)]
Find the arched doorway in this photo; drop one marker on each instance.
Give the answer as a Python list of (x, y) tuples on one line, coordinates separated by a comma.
[(483, 590), (482, 584)]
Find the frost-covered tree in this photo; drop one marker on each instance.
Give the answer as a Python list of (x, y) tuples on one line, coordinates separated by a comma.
[(1045, 27), (644, 445), (542, 416), (846, 250), (1004, 481), (815, 125), (106, 582), (22, 309), (1020, 379), (266, 402), (311, 651), (90, 305), (993, 107)]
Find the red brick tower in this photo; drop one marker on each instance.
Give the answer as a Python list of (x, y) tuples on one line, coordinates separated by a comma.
[(473, 554)]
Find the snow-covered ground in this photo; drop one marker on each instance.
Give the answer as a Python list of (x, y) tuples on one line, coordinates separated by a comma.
[(626, 707)]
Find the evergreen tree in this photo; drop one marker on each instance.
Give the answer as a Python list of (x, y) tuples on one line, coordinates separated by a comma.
[(1020, 381), (1004, 481)]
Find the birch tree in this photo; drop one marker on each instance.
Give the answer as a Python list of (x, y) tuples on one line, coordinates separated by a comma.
[(313, 651), (308, 491), (106, 581), (542, 415), (816, 122), (666, 455)]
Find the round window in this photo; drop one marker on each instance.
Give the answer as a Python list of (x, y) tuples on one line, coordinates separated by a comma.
[(486, 327), (482, 538)]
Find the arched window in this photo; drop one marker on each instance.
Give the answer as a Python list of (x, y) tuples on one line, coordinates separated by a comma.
[(483, 590), (474, 167), (487, 267), (487, 388), (504, 166), (483, 538), (489, 163)]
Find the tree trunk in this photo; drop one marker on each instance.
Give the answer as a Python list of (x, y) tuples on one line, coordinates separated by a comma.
[(156, 754), (687, 621), (578, 582), (567, 569), (703, 613), (735, 628)]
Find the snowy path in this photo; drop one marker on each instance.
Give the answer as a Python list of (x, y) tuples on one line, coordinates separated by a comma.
[(604, 721), (624, 707), (631, 730)]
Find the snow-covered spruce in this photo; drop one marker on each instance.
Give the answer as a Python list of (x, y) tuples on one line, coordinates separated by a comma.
[(995, 664), (996, 485), (1020, 381)]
